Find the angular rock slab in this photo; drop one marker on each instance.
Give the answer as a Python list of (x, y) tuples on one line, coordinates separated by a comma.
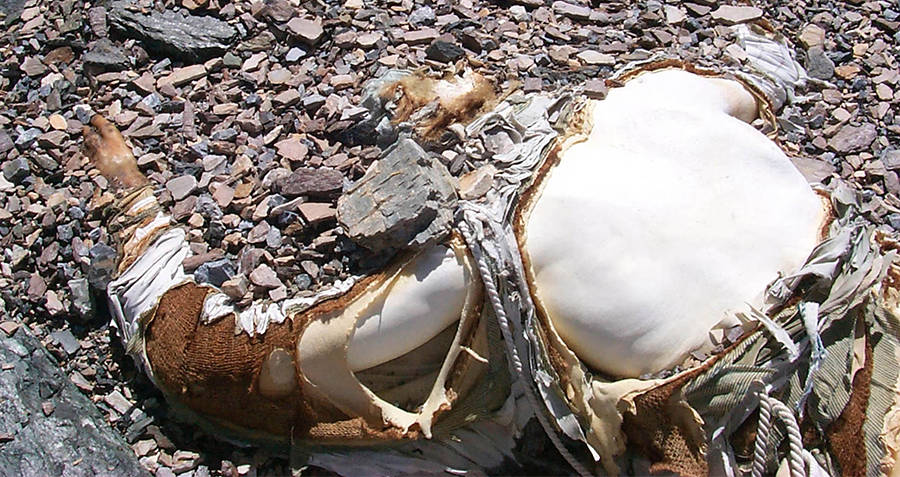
[(74, 439), (404, 201), (186, 37)]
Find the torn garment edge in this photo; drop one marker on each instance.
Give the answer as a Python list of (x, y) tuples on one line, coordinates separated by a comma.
[(844, 273), (255, 318)]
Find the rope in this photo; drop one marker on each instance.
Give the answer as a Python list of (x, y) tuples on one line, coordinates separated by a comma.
[(796, 460), (496, 302)]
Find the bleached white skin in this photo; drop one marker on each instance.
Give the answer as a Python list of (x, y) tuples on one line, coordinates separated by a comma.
[(426, 298), (671, 215)]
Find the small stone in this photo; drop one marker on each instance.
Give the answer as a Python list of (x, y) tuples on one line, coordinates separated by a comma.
[(308, 31), (812, 35), (37, 287), (106, 55), (180, 187), (591, 57), (279, 76), (82, 300), (733, 15), (476, 183), (595, 89), (674, 15), (339, 82), (9, 327), (368, 40), (422, 16), (532, 85), (223, 195), (33, 66), (265, 277), (54, 305), (324, 183), (884, 92), (58, 122), (47, 407), (117, 401), (847, 72), (6, 142), (313, 101), (316, 213), (236, 287), (420, 37), (292, 148), (66, 340), (444, 52), (891, 158), (575, 12), (287, 98), (184, 461), (215, 272), (819, 65), (144, 447), (853, 138), (16, 170), (294, 54), (182, 76)]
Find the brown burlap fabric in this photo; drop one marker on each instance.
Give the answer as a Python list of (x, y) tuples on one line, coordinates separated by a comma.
[(658, 429), (845, 435)]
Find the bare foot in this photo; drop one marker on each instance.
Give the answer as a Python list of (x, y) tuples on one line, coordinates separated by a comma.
[(108, 152)]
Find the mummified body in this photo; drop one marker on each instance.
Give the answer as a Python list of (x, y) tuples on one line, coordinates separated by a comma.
[(652, 222)]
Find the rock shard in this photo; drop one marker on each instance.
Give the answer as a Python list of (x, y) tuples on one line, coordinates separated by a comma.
[(72, 439), (186, 37), (404, 201)]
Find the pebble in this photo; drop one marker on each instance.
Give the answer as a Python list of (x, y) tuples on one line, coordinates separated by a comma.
[(853, 138), (732, 14), (181, 186), (312, 183), (308, 31), (265, 277)]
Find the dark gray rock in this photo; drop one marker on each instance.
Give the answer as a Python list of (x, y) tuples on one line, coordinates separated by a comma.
[(322, 183), (422, 16), (11, 10), (82, 299), (891, 158), (106, 55), (74, 439), (27, 138), (103, 265), (215, 272), (6, 142), (405, 200), (186, 37), (818, 65), (66, 340), (444, 52), (16, 170)]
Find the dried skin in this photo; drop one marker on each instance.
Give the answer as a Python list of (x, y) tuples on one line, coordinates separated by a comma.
[(457, 101), (106, 149)]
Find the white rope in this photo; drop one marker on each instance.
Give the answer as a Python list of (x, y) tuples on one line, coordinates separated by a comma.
[(767, 407), (497, 304)]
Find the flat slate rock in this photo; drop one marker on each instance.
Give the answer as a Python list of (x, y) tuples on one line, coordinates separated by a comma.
[(186, 37), (72, 439), (404, 201)]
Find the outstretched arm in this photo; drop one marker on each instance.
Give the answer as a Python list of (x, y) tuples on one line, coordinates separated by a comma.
[(107, 151)]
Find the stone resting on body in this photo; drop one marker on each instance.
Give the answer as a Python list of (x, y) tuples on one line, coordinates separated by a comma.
[(627, 280)]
